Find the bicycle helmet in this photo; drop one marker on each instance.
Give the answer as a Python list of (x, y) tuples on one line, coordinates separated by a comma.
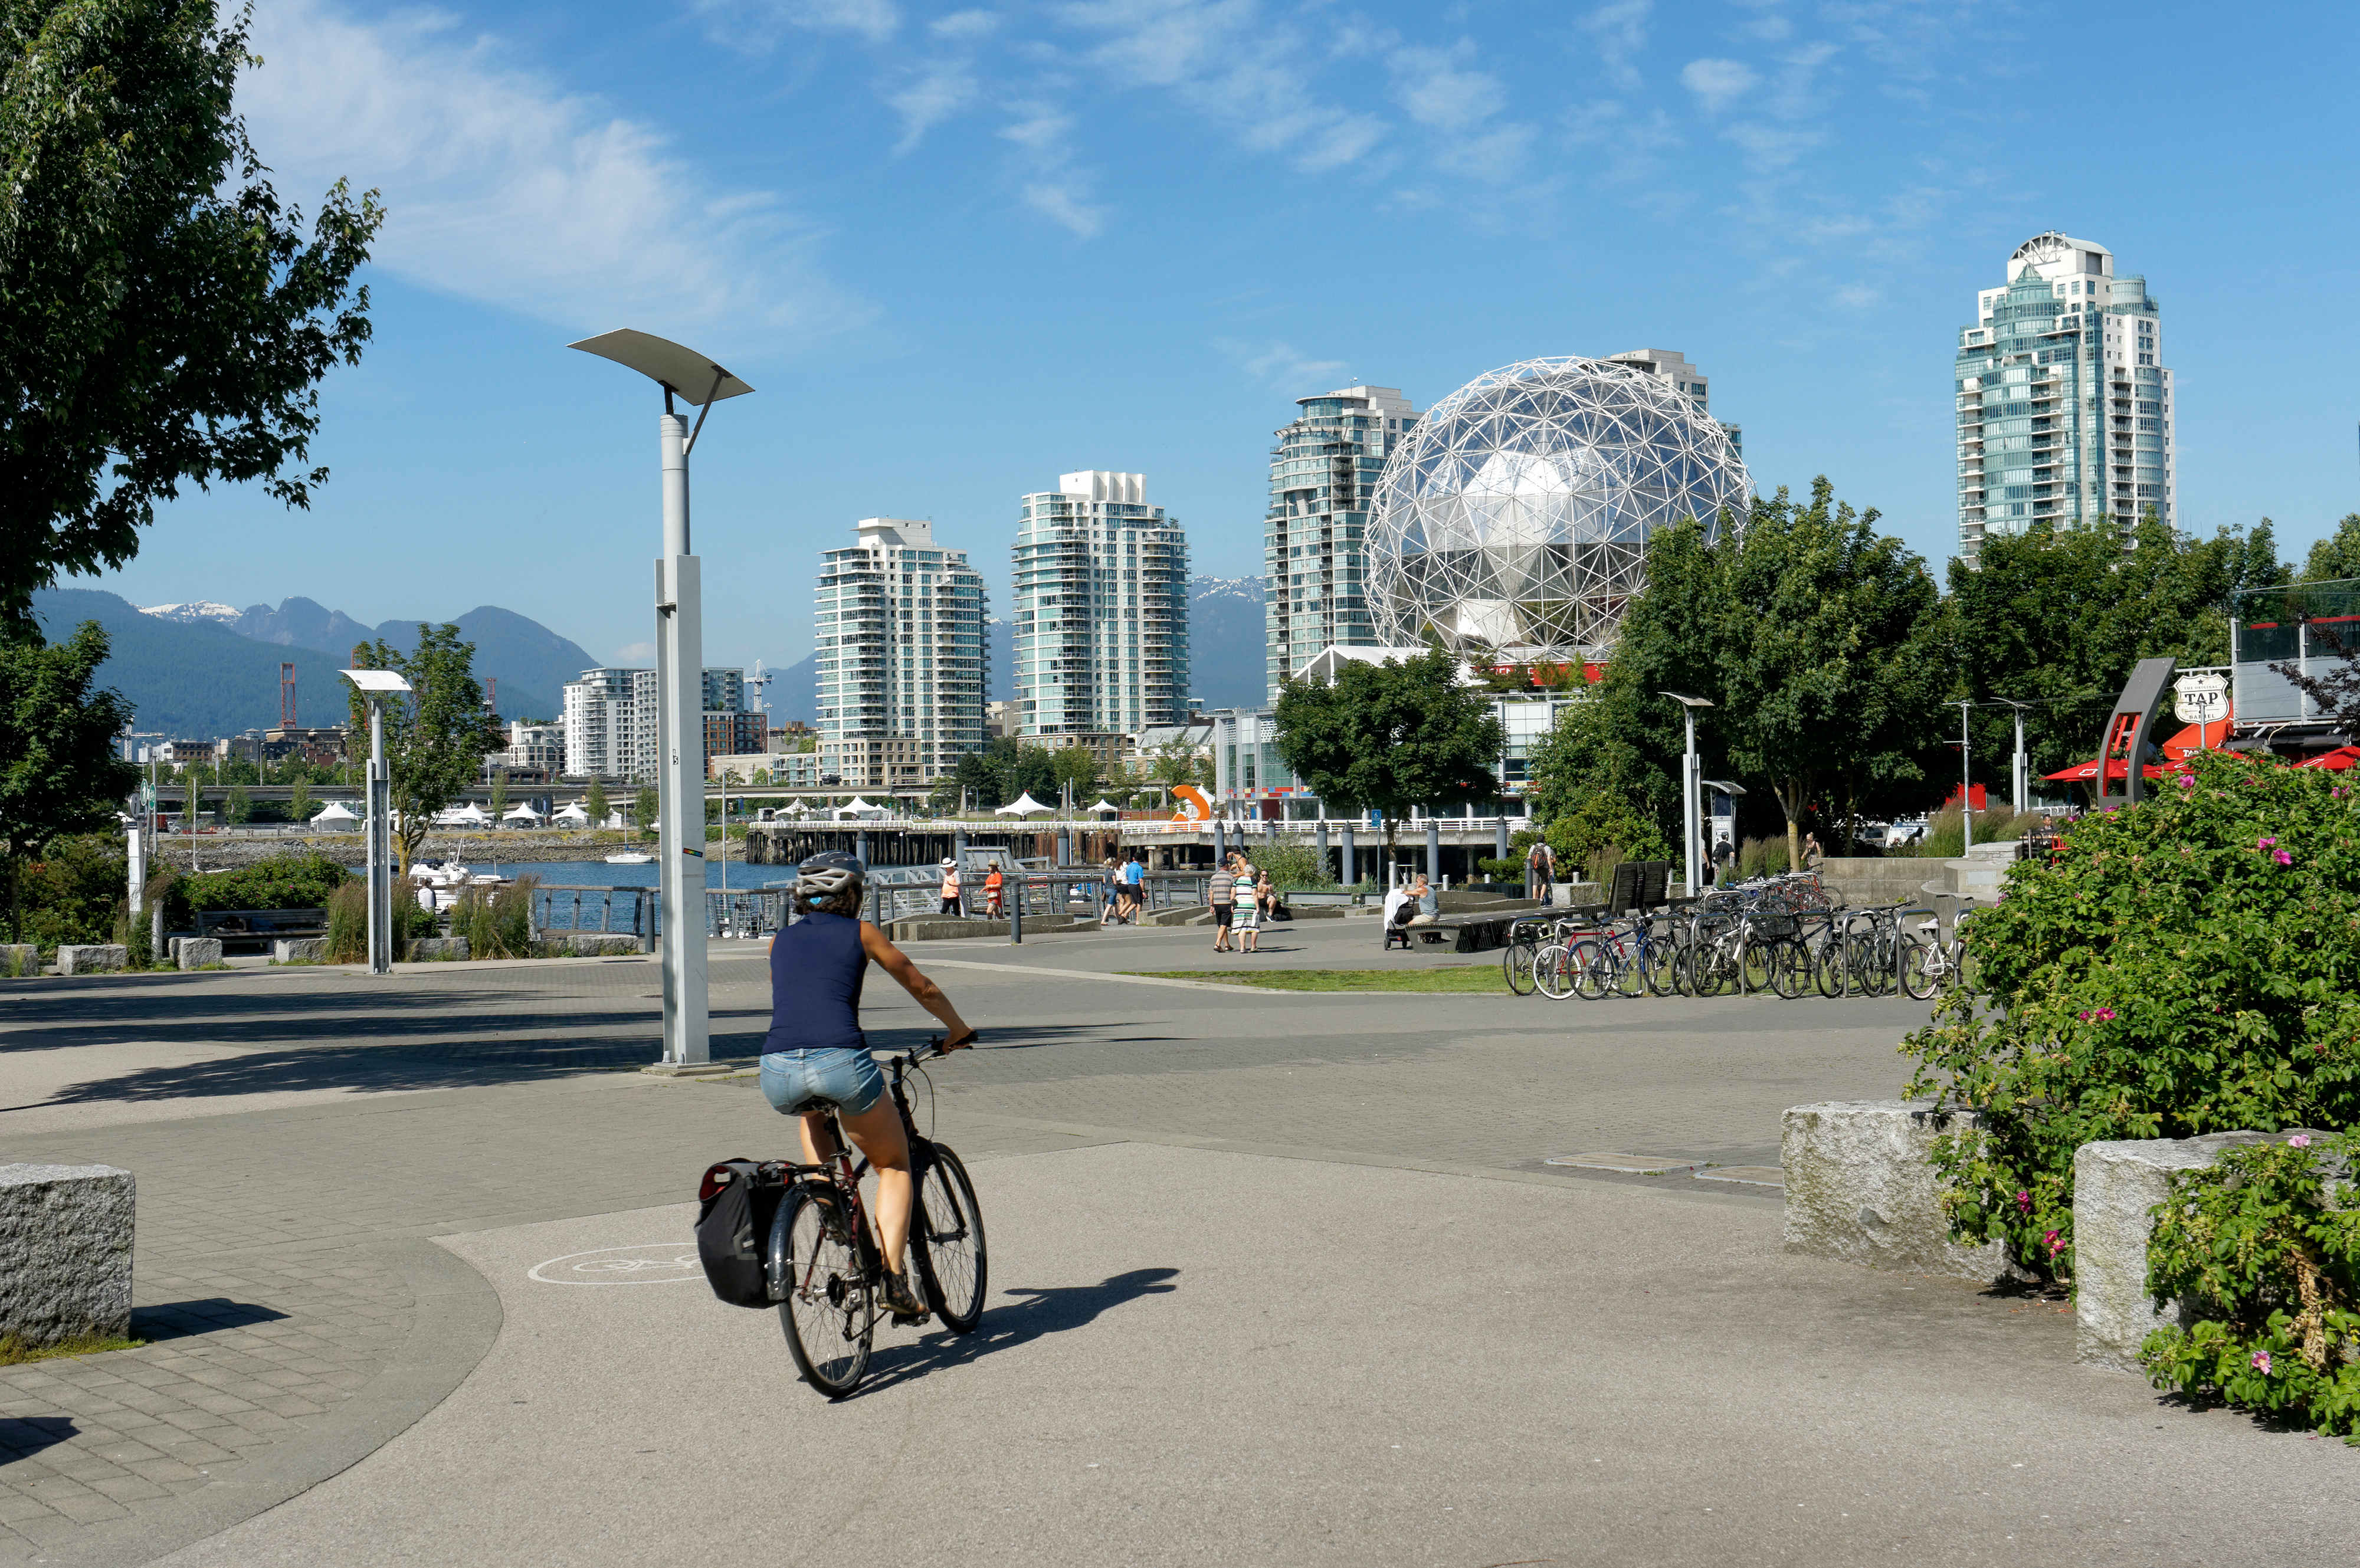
[(829, 873)]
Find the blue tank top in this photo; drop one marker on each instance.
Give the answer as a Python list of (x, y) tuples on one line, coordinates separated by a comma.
[(816, 967)]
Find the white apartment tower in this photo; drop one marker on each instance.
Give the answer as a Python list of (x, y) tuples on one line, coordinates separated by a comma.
[(610, 724), (2064, 404), (1674, 371), (902, 658), (1323, 474), (1101, 586)]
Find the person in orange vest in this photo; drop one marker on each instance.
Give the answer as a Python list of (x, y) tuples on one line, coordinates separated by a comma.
[(991, 884)]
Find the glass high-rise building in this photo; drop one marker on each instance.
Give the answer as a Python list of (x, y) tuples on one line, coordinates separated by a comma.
[(1102, 588), (1322, 473), (899, 625), (2064, 404)]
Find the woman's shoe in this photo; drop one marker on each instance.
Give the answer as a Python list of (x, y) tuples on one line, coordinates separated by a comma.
[(901, 1301)]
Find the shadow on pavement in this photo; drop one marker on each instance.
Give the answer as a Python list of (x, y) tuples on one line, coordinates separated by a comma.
[(179, 1320), (1048, 1311), (21, 1437)]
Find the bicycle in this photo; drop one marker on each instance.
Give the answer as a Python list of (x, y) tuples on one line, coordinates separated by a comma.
[(1929, 963), (824, 1267)]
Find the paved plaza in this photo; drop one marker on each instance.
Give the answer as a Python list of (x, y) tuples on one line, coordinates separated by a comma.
[(1275, 1277)]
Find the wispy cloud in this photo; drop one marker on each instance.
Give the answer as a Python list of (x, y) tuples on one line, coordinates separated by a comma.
[(756, 25), (939, 90), (1618, 31), (1057, 188), (1281, 366), (965, 25), (1719, 82), (501, 186)]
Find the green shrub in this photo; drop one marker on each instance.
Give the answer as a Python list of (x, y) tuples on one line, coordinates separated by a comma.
[(283, 882), (1604, 832), (70, 892), (1946, 838), (2269, 1254), (348, 923), (1294, 866), (1510, 869), (2186, 966), (496, 921)]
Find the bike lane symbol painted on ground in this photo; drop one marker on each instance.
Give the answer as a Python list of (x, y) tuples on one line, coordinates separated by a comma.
[(653, 1263)]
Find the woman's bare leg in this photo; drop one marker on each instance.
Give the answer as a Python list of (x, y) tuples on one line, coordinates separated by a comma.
[(878, 1132)]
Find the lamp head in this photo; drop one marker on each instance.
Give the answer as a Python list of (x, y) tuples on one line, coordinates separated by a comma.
[(681, 370), (1686, 702), (375, 683)]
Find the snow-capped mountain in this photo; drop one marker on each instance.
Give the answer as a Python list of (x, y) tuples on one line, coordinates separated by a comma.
[(195, 613)]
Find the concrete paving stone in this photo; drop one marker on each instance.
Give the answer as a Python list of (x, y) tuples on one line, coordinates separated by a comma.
[(16, 1508), (54, 1528), (128, 1488), (76, 1500)]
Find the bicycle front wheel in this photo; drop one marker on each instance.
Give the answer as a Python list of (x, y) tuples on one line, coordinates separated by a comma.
[(946, 1234), (827, 1302), (1828, 967), (1659, 965), (1593, 970), (1553, 972), (1790, 968), (1517, 962)]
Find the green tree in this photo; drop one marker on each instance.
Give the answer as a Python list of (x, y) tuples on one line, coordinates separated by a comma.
[(239, 806), (2056, 617), (1391, 736), (435, 736), (163, 318), (299, 798), (594, 802), (1179, 762), (2336, 556), (647, 808), (59, 768), (499, 792), (1076, 767)]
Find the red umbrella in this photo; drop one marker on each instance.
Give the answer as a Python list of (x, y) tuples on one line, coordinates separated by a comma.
[(2083, 773), (2196, 739), (2342, 757)]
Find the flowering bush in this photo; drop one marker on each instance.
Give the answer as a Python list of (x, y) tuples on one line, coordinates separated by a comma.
[(2189, 966), (2261, 1242)]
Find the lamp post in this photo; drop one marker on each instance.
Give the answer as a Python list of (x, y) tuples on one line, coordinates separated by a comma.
[(1689, 768), (690, 377), (376, 685), (1966, 782), (2020, 775)]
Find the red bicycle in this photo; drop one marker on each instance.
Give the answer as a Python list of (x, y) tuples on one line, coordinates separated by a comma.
[(825, 1269)]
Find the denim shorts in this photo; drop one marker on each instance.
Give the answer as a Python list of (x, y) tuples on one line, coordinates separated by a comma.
[(848, 1077)]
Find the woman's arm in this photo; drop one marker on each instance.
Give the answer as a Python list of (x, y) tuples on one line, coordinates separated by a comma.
[(929, 995)]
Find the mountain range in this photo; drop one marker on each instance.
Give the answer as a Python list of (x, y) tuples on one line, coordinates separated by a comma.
[(199, 670)]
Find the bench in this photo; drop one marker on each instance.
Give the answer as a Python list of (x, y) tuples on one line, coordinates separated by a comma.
[(258, 929)]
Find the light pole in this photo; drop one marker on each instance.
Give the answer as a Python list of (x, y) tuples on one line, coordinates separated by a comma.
[(691, 377), (1966, 782), (1690, 774), (376, 685), (2019, 775)]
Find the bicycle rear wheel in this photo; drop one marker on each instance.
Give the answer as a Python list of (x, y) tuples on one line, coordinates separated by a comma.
[(1553, 972), (1920, 970), (827, 1300), (946, 1234), (1789, 968), (1593, 969), (1754, 968), (1828, 967), (1659, 965)]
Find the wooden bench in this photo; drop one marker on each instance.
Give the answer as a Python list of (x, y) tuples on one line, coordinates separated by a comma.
[(258, 927)]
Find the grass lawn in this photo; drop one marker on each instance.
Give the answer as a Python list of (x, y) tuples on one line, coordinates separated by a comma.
[(1486, 978)]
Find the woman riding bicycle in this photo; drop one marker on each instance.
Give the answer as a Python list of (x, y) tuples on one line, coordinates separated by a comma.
[(815, 1053)]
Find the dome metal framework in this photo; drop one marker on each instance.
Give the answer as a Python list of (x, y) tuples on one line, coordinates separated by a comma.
[(1516, 516)]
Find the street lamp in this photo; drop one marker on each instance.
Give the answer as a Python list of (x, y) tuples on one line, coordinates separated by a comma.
[(376, 686), (1689, 791), (2020, 775), (693, 378)]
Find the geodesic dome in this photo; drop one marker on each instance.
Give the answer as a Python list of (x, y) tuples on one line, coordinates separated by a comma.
[(1516, 514)]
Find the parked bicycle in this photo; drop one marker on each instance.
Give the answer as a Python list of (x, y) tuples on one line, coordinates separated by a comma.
[(824, 1267), (1929, 963)]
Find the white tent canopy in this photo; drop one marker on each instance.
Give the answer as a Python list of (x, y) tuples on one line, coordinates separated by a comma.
[(337, 811), (1025, 805), (857, 807), (520, 812), (573, 811), (1102, 804), (467, 815)]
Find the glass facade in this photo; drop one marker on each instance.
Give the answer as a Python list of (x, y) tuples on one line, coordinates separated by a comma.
[(1515, 518), (1323, 478), (902, 655), (2064, 406), (1101, 590)]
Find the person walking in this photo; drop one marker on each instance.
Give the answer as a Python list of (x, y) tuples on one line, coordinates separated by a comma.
[(1134, 887), (1222, 894), (992, 883), (951, 888), (1812, 854), (1540, 872), (1253, 889), (1112, 909)]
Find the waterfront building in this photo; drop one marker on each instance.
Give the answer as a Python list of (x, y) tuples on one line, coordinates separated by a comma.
[(1323, 475), (535, 748), (2064, 403), (902, 661), (609, 726), (1102, 588)]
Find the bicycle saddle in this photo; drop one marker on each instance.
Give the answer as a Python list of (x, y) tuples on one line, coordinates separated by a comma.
[(814, 1108)]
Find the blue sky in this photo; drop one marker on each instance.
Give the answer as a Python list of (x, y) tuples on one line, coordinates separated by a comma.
[(962, 249)]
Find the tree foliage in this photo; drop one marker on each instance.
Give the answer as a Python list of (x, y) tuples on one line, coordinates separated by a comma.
[(436, 736), (1816, 639), (59, 768), (1391, 737), (163, 318), (2056, 618), (2188, 965), (2336, 556), (1005, 768)]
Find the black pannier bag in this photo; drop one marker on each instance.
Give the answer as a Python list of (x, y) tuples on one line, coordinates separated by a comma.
[(736, 1203)]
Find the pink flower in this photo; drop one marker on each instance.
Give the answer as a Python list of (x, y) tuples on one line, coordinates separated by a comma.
[(2186, 782), (2265, 843), (2262, 1362), (2024, 1203), (2299, 1140), (2282, 857), (2105, 1014), (2056, 1242)]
